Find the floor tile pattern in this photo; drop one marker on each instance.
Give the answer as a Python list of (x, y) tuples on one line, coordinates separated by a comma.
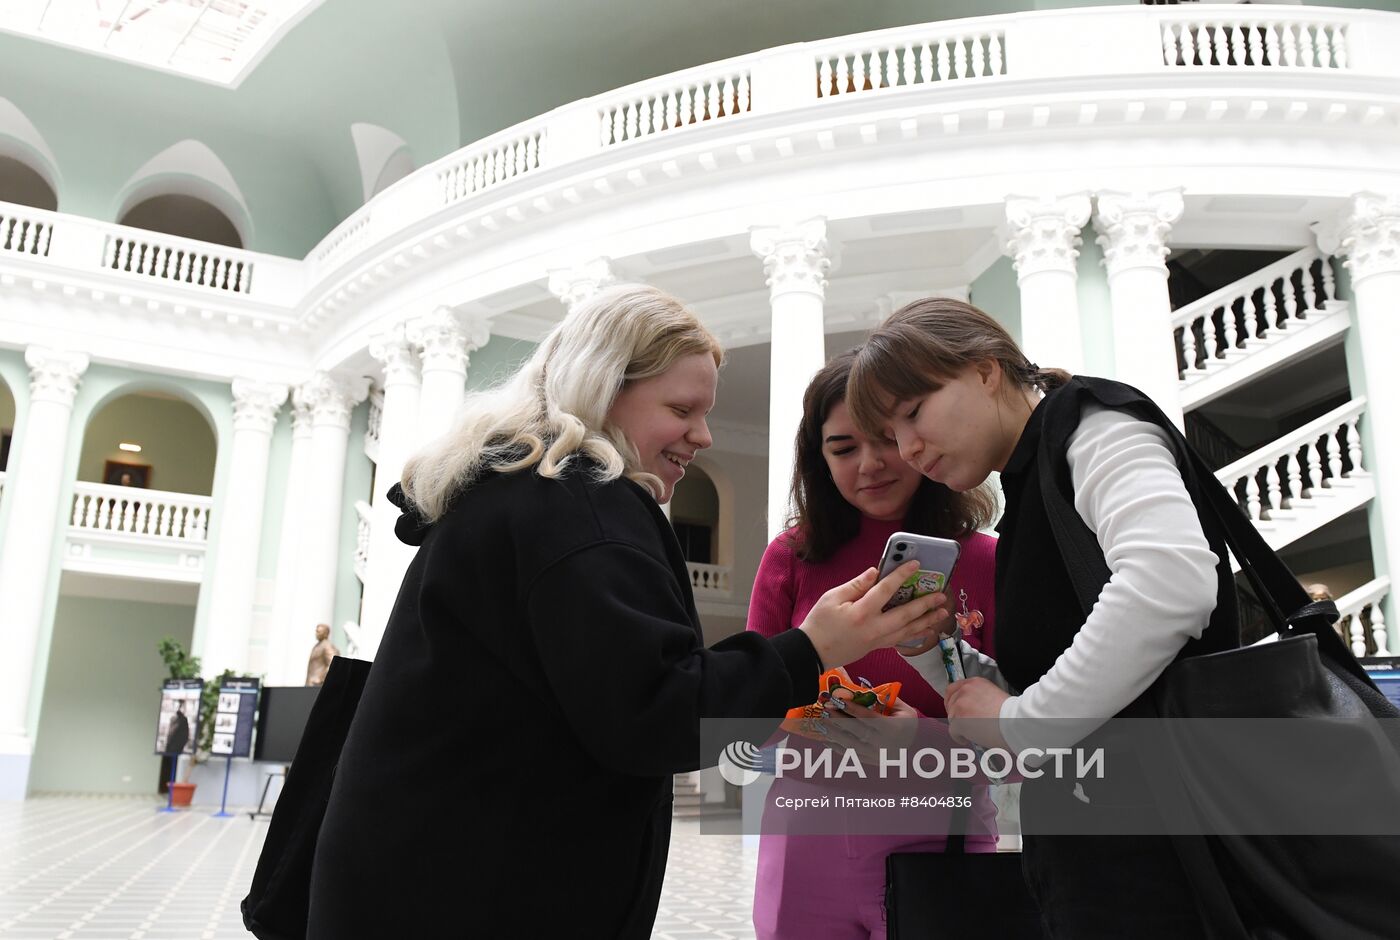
[(94, 868)]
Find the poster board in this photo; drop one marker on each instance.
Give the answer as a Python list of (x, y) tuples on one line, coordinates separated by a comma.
[(1385, 673), (177, 726), (233, 717)]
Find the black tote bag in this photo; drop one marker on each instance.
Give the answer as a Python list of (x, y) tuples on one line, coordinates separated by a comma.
[(278, 900), (949, 894), (1262, 886)]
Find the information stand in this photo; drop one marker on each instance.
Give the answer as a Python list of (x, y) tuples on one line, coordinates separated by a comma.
[(177, 727), (233, 727)]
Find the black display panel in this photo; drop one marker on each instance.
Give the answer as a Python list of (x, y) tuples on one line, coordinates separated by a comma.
[(282, 714)]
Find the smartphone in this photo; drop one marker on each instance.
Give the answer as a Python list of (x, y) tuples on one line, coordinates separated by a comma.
[(937, 558)]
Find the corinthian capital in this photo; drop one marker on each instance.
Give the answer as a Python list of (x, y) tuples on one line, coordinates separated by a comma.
[(1043, 234), (255, 405), (396, 353), (330, 398), (445, 339), (54, 375), (1133, 228), (579, 283), (796, 256), (1367, 233)]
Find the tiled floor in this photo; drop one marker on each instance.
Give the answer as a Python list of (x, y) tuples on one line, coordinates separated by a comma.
[(116, 869)]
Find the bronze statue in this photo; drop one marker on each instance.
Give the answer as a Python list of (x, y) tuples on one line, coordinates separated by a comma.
[(321, 655)]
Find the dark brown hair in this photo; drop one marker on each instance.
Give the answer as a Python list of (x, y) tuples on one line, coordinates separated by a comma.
[(924, 344), (823, 518)]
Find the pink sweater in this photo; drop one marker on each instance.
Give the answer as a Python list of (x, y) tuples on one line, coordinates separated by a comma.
[(786, 588)]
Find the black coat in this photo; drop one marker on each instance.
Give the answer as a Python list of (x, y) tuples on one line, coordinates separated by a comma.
[(541, 678)]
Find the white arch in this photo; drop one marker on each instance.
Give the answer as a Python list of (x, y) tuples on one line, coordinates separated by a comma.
[(21, 140), (189, 168), (377, 148), (724, 490)]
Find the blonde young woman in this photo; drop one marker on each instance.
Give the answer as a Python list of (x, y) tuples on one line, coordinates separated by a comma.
[(543, 674)]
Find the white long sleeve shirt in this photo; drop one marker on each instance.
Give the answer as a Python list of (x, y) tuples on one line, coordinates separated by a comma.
[(1161, 592)]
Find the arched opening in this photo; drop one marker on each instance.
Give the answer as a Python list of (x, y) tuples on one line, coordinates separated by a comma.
[(7, 428), (185, 216), (140, 513), (23, 185), (396, 168), (149, 440), (695, 516)]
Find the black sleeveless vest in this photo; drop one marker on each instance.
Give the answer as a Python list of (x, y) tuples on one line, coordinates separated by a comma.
[(1038, 613)]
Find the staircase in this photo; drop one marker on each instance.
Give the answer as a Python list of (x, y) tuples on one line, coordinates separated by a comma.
[(1256, 325)]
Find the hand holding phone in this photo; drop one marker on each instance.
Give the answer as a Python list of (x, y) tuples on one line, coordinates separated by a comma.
[(937, 558)]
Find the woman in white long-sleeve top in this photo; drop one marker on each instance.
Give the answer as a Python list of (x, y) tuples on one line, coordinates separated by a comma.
[(962, 400)]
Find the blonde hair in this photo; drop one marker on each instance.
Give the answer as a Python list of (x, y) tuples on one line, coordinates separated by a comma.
[(556, 406)]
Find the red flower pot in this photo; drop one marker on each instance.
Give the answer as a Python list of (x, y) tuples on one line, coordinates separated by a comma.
[(181, 794)]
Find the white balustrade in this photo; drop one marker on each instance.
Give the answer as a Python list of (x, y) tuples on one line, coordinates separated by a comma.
[(905, 57), (182, 260), (362, 514), (711, 580), (1363, 606), (502, 157), (1229, 324), (1255, 38), (140, 513), (376, 419), (342, 240), (1300, 466), (674, 101), (24, 232)]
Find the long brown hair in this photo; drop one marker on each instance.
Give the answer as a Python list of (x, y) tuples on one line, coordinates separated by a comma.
[(823, 518), (924, 344)]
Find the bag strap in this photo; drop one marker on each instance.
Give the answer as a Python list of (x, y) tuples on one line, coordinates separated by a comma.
[(957, 823)]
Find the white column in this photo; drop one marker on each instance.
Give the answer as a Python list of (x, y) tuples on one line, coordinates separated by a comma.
[(34, 488), (289, 640), (445, 342), (1367, 233), (796, 260), (573, 285), (398, 435), (1043, 241), (234, 579), (330, 399), (1133, 229)]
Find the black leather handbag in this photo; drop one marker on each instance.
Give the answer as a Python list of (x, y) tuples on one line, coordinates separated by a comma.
[(954, 894), (279, 899), (1259, 885)]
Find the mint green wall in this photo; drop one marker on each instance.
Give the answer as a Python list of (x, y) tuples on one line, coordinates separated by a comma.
[(98, 723), (284, 134), (996, 293), (176, 442), (497, 360), (100, 385), (1095, 308), (358, 471)]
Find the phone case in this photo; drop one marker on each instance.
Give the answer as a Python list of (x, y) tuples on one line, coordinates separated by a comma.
[(937, 558)]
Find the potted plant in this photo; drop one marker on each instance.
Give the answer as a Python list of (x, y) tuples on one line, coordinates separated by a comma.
[(182, 665)]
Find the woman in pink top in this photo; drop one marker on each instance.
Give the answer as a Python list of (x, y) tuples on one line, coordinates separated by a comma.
[(852, 492)]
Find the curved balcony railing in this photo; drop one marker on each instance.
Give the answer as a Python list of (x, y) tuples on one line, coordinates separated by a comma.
[(1030, 51), (1362, 621)]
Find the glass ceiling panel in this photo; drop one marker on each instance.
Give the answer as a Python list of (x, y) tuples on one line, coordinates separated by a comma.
[(216, 41)]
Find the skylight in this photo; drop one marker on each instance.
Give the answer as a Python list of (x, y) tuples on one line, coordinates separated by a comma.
[(217, 41)]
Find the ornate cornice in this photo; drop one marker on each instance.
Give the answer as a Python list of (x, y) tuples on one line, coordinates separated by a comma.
[(796, 256), (1043, 234), (1133, 228), (445, 340), (1367, 233), (331, 398), (255, 405), (576, 284), (54, 375)]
